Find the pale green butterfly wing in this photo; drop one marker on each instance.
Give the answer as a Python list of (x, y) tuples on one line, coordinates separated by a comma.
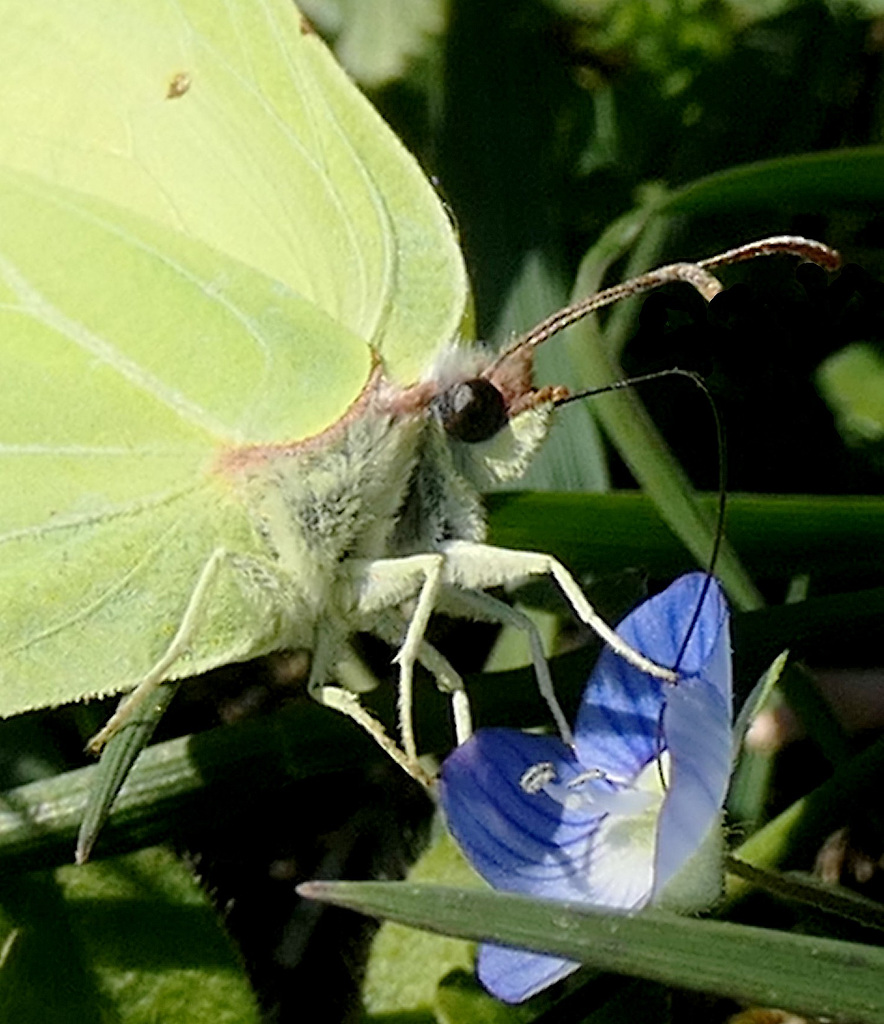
[(232, 123), (268, 236), (132, 357)]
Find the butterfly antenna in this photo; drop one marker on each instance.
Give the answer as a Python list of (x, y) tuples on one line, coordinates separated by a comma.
[(698, 274), (721, 445), (720, 514), (721, 510)]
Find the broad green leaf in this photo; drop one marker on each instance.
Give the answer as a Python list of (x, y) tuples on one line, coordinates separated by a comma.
[(816, 976), (32, 947), (132, 940), (460, 998), (405, 969)]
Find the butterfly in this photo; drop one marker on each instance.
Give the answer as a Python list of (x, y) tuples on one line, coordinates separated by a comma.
[(241, 412)]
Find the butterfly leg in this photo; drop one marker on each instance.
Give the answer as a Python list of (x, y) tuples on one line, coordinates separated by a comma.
[(326, 652), (391, 629), (408, 652), (348, 704), (479, 605), (478, 566), (451, 683), (190, 623), (387, 583)]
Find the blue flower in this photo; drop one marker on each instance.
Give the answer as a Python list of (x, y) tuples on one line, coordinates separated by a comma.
[(614, 819)]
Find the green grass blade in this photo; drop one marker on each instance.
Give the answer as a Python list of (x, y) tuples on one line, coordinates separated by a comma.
[(836, 539), (812, 181), (116, 762), (816, 976)]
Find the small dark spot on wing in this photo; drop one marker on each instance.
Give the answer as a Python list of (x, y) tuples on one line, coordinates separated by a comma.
[(179, 84)]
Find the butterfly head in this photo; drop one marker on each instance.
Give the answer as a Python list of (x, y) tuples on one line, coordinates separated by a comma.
[(490, 412)]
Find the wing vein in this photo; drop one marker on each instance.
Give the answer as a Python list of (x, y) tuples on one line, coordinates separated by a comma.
[(114, 588), (98, 517), (34, 304)]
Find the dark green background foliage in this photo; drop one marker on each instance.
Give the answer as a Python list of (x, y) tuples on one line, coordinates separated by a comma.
[(575, 142)]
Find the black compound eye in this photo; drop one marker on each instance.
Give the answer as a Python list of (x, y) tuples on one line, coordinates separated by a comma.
[(471, 410)]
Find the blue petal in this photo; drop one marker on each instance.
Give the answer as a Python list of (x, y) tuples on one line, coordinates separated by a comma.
[(618, 728), (515, 975), (518, 841), (697, 726)]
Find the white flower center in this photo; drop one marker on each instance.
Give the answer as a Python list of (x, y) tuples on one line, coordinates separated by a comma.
[(602, 793)]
